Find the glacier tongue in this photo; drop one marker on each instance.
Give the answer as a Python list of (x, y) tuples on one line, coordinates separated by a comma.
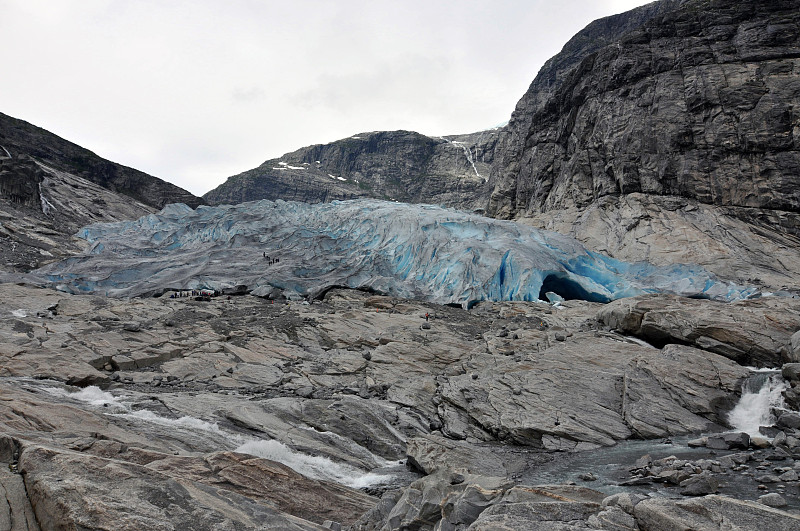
[(413, 251)]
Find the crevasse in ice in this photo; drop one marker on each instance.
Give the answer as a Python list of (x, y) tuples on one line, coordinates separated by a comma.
[(413, 251)]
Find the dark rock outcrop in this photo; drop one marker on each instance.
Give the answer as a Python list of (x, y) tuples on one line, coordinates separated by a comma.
[(19, 181), (669, 134), (394, 165)]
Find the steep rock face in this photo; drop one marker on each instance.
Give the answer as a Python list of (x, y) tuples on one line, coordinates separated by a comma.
[(701, 101), (393, 165), (19, 139), (745, 245), (19, 181)]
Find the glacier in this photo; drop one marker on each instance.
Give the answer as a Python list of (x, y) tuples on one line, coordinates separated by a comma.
[(412, 251)]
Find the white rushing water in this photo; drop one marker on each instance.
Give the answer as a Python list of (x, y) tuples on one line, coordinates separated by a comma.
[(313, 466), (316, 467), (761, 393)]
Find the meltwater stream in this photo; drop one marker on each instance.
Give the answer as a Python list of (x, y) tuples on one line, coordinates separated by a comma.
[(215, 438), (761, 398), (761, 394)]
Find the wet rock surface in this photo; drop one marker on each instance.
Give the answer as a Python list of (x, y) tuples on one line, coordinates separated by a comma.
[(200, 406)]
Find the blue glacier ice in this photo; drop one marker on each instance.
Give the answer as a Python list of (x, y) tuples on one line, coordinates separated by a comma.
[(413, 251)]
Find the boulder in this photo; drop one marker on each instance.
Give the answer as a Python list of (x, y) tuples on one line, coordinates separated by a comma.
[(700, 485), (759, 442), (789, 419), (735, 441), (795, 345), (716, 442), (772, 499), (791, 371)]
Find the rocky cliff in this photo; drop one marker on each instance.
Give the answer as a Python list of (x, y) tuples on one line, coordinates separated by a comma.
[(699, 102), (669, 133), (394, 165)]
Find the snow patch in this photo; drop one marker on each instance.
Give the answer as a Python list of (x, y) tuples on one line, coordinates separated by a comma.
[(19, 313)]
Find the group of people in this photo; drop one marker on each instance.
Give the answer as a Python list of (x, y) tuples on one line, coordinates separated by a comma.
[(194, 293), (270, 259)]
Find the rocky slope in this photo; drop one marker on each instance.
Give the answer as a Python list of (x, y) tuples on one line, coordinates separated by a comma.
[(673, 138), (49, 188), (19, 139), (394, 165)]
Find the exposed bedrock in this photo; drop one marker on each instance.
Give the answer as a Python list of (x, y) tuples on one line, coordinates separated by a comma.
[(755, 332), (746, 245), (453, 501), (204, 400)]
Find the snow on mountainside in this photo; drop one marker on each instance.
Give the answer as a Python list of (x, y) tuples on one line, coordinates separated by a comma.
[(414, 251)]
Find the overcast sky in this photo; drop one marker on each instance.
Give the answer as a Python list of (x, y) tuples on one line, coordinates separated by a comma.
[(195, 91)]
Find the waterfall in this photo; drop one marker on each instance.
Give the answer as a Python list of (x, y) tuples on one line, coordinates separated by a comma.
[(761, 392)]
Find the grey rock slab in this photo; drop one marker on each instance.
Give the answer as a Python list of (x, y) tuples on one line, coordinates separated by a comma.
[(749, 332), (431, 453), (541, 507), (16, 513), (613, 519), (84, 491), (706, 513)]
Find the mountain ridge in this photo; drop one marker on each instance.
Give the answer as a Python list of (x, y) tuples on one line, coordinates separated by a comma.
[(404, 166)]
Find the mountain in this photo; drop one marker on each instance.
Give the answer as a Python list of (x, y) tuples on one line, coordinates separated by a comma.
[(252, 412), (20, 139), (50, 187), (673, 138), (393, 165), (667, 133)]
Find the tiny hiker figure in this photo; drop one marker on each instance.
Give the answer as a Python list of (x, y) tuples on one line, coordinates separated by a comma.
[(426, 316)]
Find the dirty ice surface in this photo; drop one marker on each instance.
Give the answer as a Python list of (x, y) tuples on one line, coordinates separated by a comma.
[(413, 251)]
